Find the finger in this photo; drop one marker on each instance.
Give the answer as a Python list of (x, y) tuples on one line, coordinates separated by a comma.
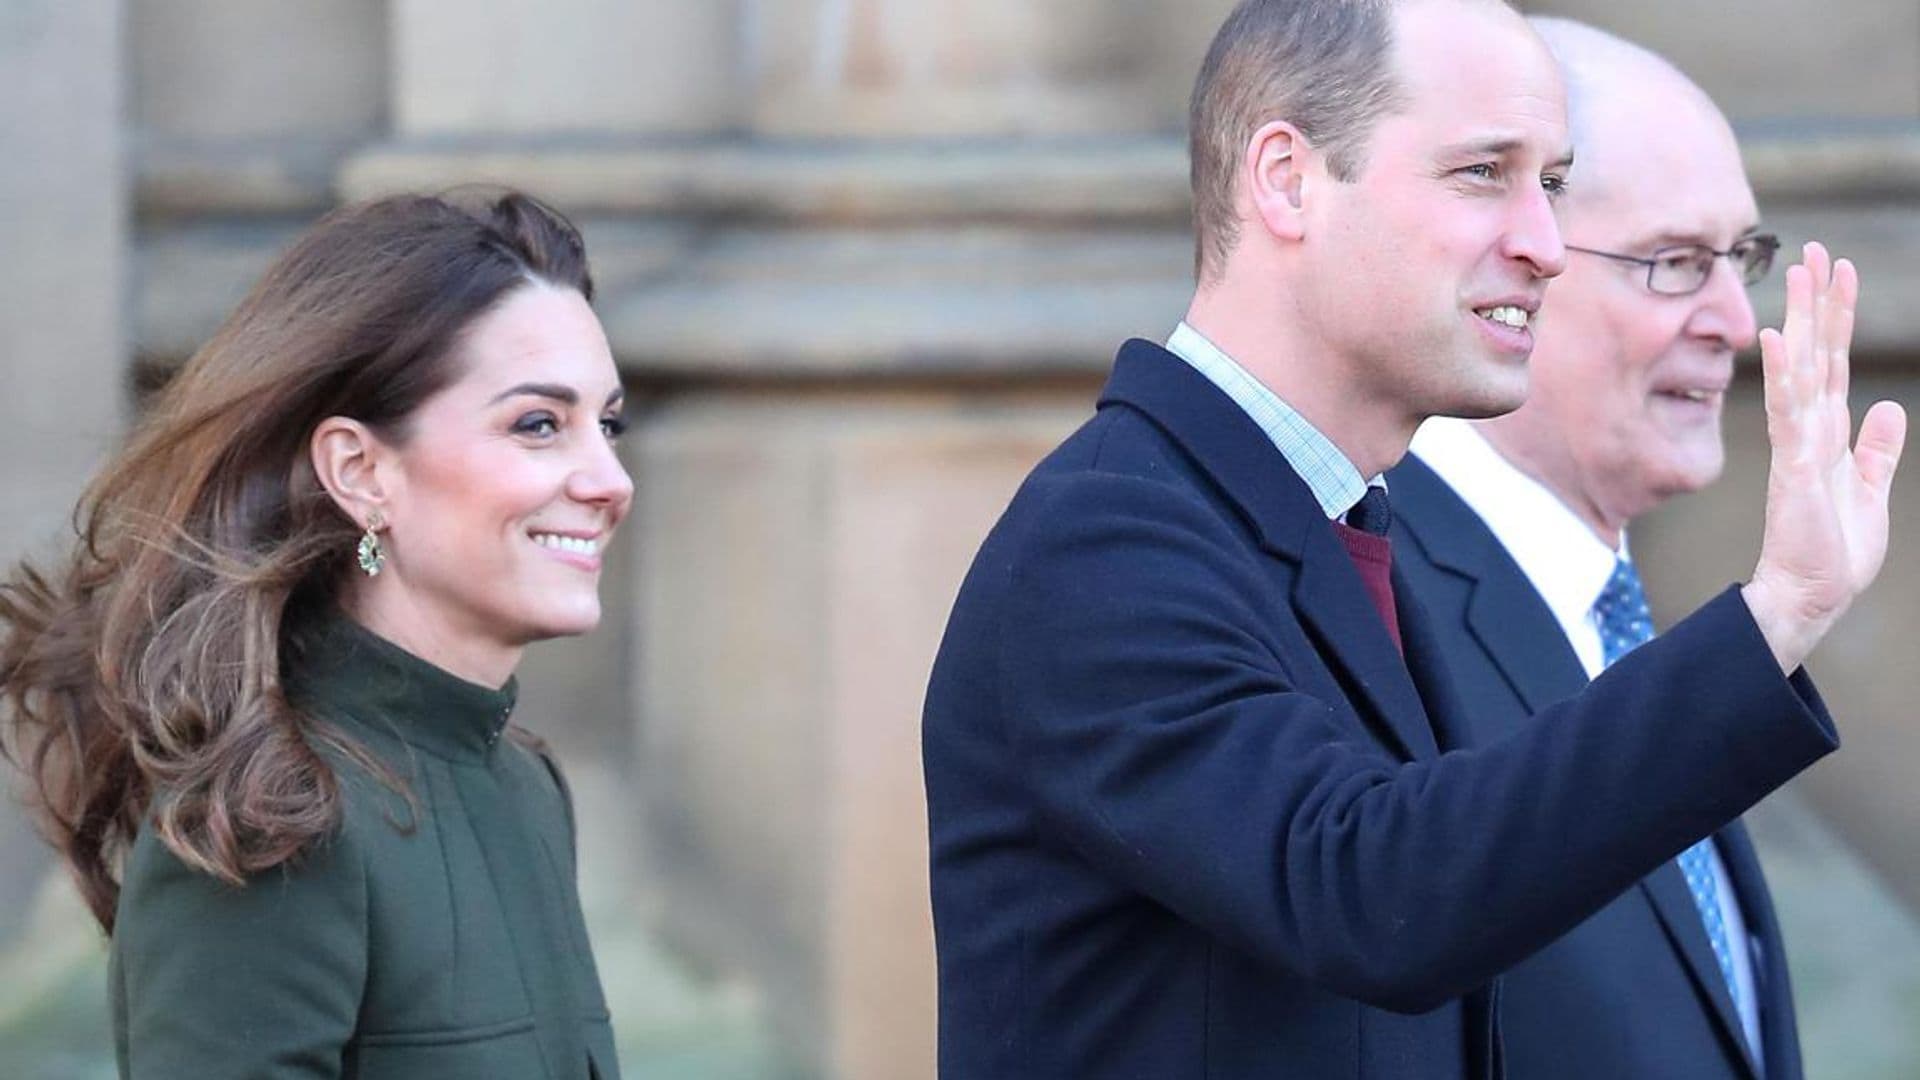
[(1794, 334), (1774, 377), (1819, 264), (1837, 330), (1883, 434), (1814, 256)]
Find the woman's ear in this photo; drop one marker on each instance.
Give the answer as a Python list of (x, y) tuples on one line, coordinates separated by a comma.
[(348, 459)]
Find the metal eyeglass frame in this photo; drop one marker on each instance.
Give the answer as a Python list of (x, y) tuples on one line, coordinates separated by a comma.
[(1763, 245)]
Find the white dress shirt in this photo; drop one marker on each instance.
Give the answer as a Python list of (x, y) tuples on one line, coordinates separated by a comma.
[(1568, 566)]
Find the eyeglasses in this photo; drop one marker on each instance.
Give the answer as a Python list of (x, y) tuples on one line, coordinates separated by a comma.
[(1684, 268)]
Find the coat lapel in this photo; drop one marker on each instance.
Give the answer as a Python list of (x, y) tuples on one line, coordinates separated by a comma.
[(1427, 661), (1332, 603), (1328, 595)]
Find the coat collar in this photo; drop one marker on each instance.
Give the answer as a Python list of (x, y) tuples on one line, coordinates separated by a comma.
[(347, 672), (1222, 438), (1328, 594)]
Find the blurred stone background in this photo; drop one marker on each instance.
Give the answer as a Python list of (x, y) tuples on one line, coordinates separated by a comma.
[(862, 262)]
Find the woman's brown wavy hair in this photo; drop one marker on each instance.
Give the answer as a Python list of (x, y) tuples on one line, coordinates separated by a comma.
[(141, 680)]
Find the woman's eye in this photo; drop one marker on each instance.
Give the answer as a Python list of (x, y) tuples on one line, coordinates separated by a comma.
[(613, 426), (541, 424)]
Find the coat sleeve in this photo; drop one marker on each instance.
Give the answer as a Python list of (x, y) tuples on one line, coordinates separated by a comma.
[(262, 982), (1147, 679)]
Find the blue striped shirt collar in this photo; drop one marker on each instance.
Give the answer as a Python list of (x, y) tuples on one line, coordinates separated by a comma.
[(1335, 482)]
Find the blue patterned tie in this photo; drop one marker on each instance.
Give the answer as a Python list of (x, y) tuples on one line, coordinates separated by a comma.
[(1625, 623)]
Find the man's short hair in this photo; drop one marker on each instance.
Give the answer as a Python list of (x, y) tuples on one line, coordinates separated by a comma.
[(1325, 66)]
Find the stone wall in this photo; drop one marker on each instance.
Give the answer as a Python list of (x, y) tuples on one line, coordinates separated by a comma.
[(862, 262)]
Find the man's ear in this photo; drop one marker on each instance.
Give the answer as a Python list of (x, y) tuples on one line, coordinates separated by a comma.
[(348, 459), (1275, 173)]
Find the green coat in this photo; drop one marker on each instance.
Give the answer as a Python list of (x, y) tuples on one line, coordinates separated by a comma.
[(451, 949)]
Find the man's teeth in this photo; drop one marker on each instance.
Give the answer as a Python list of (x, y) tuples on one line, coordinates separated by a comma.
[(574, 544), (1506, 315)]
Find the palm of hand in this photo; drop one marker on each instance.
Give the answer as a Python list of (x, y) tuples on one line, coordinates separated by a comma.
[(1826, 523)]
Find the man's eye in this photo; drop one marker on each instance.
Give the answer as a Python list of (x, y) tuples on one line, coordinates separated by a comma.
[(1486, 170), (1555, 186), (1685, 258)]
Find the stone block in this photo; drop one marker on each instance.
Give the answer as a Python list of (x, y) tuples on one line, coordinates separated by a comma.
[(879, 68), (239, 69), (798, 563), (556, 66), (728, 699)]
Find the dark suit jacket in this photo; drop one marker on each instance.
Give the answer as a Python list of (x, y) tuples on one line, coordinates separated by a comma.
[(1191, 814), (1633, 991)]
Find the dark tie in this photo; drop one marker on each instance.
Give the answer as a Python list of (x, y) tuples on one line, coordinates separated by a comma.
[(1625, 624), (1372, 514)]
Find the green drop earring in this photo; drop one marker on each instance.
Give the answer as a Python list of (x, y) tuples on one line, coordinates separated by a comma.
[(371, 555)]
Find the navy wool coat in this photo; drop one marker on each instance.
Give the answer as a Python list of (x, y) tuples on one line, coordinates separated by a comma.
[(1193, 816)]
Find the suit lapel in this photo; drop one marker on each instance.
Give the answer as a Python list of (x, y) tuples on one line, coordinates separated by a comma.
[(1504, 613), (1779, 1030), (1666, 889), (1328, 595), (1520, 635)]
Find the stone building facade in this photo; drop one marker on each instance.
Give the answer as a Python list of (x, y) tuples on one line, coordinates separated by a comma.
[(862, 262)]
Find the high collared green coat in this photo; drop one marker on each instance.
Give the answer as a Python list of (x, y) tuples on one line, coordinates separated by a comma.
[(441, 941)]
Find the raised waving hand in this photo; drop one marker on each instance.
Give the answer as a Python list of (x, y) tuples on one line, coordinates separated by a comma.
[(1826, 519)]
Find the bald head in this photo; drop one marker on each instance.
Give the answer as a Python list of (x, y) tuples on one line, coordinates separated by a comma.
[(1620, 93)]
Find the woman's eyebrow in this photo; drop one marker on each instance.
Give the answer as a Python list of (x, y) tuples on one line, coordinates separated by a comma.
[(564, 394)]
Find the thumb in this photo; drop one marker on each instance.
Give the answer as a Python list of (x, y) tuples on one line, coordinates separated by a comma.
[(1877, 452)]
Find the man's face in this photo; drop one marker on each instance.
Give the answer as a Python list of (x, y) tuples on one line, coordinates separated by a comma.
[(1425, 270), (1628, 384)]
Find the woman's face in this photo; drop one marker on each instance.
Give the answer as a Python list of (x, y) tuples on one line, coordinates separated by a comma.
[(503, 496)]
